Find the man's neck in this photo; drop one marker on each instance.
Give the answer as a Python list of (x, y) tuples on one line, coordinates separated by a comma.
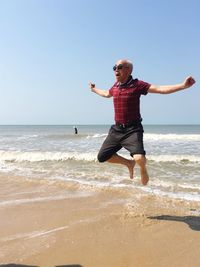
[(127, 81)]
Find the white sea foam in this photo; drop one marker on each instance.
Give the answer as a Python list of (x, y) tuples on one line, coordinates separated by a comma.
[(33, 234), (96, 136), (175, 158), (171, 137), (36, 156), (25, 137), (176, 195), (15, 202), (189, 186), (42, 233)]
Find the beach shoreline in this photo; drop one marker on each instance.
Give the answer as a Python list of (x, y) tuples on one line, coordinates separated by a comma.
[(54, 225)]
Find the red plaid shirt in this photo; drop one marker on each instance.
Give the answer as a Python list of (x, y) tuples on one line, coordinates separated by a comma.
[(126, 99)]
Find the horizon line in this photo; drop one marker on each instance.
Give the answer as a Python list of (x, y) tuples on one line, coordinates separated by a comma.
[(95, 124)]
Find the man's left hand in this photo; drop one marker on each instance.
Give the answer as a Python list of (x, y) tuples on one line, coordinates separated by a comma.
[(189, 81)]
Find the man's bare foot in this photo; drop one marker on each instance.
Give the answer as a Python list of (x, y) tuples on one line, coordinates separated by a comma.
[(131, 166), (144, 176)]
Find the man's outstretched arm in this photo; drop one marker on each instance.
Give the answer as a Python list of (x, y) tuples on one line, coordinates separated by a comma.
[(104, 93), (169, 89)]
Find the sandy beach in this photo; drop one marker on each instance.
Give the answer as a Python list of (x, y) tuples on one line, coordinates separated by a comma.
[(51, 225)]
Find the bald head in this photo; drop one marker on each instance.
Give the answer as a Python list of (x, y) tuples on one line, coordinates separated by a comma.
[(126, 63), (123, 70)]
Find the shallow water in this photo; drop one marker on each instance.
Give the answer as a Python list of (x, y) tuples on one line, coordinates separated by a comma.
[(55, 153)]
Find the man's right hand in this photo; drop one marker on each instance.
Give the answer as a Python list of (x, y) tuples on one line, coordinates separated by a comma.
[(104, 93), (92, 85)]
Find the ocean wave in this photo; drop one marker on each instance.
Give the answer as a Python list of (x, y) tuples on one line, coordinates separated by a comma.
[(189, 196), (36, 156), (64, 136), (175, 158), (96, 136), (171, 137), (147, 136), (28, 136)]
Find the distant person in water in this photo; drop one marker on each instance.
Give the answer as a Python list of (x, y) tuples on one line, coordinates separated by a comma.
[(128, 131), (75, 130)]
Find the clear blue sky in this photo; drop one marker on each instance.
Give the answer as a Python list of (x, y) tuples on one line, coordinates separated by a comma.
[(50, 50)]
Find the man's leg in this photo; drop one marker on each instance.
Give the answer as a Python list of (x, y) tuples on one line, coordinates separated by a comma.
[(109, 149), (141, 161), (129, 163)]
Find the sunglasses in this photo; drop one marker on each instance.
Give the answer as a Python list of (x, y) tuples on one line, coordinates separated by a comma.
[(119, 67)]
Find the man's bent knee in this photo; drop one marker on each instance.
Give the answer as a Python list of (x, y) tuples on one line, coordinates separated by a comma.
[(102, 157)]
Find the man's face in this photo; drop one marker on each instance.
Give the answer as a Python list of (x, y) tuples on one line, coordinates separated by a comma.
[(122, 71)]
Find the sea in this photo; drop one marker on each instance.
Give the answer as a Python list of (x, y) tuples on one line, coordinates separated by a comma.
[(56, 154)]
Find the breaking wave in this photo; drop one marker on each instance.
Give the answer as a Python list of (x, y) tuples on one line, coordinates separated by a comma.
[(36, 156)]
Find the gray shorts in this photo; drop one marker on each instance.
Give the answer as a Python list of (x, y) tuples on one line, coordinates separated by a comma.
[(131, 138)]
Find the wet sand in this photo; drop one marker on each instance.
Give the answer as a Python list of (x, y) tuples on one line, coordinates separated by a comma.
[(57, 225)]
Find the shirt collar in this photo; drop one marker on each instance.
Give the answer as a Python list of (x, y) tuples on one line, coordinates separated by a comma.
[(129, 81)]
